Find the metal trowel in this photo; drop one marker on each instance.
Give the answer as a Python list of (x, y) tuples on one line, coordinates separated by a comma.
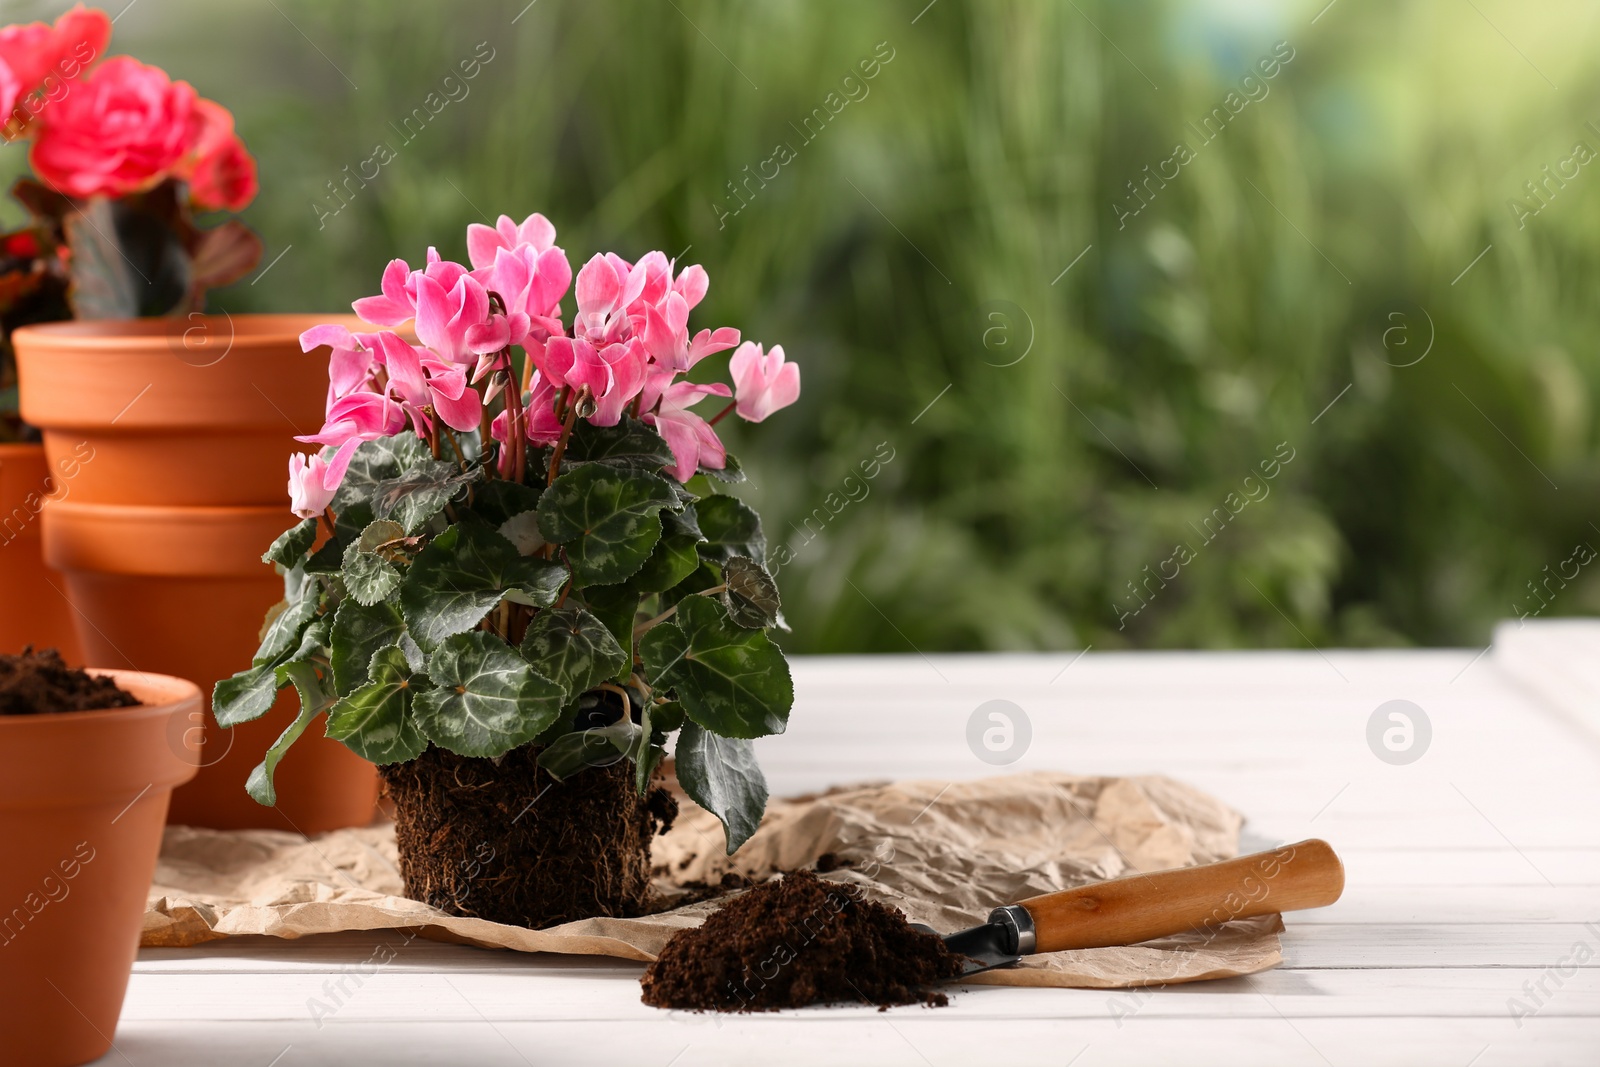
[(1142, 907)]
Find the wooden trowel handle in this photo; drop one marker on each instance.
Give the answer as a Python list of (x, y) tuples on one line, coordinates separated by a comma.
[(1140, 907)]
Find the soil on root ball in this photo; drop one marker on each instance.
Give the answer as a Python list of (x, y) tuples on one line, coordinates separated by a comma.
[(41, 683), (501, 840), (796, 941)]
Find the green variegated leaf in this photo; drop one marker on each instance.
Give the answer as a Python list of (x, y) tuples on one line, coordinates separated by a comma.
[(731, 527), (606, 518), (251, 693), (375, 462), (721, 775), (463, 574), (359, 631), (290, 549), (312, 702), (572, 647), (246, 696), (419, 493), (675, 556), (489, 700), (617, 606), (375, 722), (752, 596), (630, 444), (282, 634), (600, 746), (368, 576), (732, 472), (497, 500), (729, 679), (647, 751)]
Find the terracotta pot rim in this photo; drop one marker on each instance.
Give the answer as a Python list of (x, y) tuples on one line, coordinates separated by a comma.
[(179, 690), (11, 447), (122, 337), (189, 513)]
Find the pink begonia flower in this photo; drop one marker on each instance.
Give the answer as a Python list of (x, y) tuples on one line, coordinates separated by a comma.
[(119, 131), (359, 416), (483, 242), (314, 480), (693, 442), (220, 172), (33, 52), (666, 335), (606, 287), (762, 383), (10, 91)]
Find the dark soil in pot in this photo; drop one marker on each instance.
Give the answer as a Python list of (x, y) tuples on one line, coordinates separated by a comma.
[(502, 840), (41, 683)]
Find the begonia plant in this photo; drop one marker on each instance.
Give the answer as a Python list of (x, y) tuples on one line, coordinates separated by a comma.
[(511, 531), (123, 158)]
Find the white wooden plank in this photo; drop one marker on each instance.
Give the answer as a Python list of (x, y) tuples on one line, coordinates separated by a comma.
[(613, 994), (915, 1038)]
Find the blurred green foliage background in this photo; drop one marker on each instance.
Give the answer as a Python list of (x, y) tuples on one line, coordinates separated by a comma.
[(1342, 234)]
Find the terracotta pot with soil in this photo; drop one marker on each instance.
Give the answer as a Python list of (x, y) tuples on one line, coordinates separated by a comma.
[(191, 423), (33, 599), (83, 800), (516, 581)]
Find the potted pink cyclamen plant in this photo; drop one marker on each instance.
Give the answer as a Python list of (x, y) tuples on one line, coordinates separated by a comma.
[(514, 579)]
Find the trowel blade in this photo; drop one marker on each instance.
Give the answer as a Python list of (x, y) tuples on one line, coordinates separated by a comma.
[(983, 948)]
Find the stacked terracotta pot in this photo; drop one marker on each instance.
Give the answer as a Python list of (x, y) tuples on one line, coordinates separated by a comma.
[(181, 430), (33, 599)]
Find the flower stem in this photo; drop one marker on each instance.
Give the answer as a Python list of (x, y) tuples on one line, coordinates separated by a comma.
[(327, 517), (719, 416), (460, 456), (561, 443)]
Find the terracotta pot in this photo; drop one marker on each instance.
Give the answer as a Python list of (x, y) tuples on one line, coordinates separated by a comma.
[(83, 798), (33, 600), (183, 591), (192, 411)]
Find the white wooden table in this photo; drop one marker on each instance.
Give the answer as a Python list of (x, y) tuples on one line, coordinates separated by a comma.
[(1472, 874)]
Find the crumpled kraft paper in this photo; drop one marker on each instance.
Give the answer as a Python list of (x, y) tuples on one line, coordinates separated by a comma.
[(944, 853)]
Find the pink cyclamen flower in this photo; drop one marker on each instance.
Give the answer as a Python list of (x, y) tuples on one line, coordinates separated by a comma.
[(531, 284), (614, 373), (313, 480), (693, 442), (419, 381), (607, 286), (359, 416), (762, 383), (666, 335), (484, 242), (691, 284), (351, 361), (397, 303), (120, 131)]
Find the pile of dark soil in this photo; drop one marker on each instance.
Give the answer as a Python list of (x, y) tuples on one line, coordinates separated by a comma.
[(40, 683), (796, 941), (502, 840)]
